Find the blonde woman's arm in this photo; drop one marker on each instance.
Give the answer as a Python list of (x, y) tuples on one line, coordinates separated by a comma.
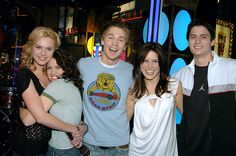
[(37, 110), (26, 116)]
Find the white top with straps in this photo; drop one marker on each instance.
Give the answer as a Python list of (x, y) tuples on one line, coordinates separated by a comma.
[(154, 132)]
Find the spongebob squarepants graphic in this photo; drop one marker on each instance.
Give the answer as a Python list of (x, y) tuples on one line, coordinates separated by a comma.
[(104, 93)]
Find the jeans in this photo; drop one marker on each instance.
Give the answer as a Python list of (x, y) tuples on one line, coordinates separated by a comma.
[(96, 151), (62, 152)]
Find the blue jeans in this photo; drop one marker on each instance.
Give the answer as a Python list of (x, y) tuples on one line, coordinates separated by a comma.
[(96, 151), (62, 152)]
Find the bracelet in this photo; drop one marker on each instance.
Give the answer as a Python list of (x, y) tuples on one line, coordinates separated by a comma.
[(84, 124)]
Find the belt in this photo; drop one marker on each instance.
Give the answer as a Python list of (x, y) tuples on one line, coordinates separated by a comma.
[(114, 147)]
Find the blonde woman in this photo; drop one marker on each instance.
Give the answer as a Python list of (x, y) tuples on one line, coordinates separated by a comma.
[(31, 81)]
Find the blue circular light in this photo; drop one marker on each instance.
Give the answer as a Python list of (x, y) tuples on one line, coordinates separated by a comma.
[(163, 28), (176, 65), (145, 31), (181, 22)]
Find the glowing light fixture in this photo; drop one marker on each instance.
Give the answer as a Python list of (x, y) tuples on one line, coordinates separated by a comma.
[(181, 22), (176, 65), (156, 20), (163, 29), (150, 21), (145, 31), (90, 44), (155, 7)]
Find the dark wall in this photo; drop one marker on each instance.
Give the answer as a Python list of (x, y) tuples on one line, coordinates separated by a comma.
[(210, 10), (226, 12), (207, 10)]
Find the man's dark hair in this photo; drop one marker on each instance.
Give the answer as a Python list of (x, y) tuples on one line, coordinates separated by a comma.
[(199, 22)]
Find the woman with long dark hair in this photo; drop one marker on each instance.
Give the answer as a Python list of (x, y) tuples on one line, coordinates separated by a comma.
[(153, 100)]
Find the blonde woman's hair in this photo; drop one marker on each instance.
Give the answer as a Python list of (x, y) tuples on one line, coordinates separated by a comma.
[(34, 36)]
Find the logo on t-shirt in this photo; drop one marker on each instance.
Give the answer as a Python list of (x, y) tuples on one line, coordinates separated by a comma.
[(103, 93)]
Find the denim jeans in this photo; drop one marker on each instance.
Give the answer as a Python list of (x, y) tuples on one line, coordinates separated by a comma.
[(62, 152), (96, 151)]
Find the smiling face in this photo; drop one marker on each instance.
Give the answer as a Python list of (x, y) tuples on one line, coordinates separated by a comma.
[(150, 67), (200, 42), (42, 51), (54, 71), (114, 43)]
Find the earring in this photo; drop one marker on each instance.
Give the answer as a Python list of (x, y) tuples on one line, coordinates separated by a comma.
[(31, 60)]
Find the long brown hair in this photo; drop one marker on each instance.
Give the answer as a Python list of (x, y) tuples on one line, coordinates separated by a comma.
[(139, 89)]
